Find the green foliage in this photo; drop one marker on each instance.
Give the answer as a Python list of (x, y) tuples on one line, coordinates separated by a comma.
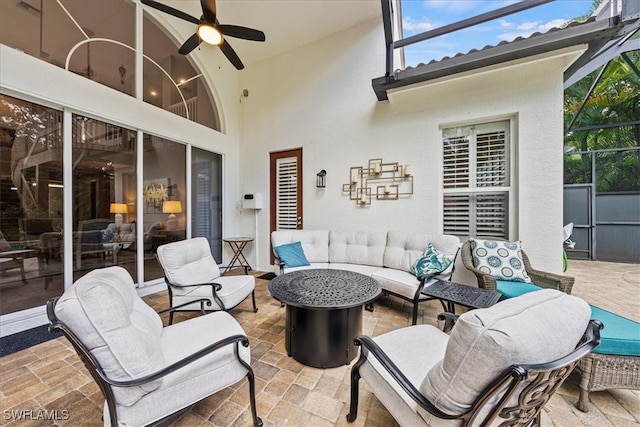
[(614, 101)]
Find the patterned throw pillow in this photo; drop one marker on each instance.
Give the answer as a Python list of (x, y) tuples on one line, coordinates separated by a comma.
[(432, 262), (502, 260)]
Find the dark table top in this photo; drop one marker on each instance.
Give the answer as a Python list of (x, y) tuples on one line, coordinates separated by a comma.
[(468, 296), (323, 288)]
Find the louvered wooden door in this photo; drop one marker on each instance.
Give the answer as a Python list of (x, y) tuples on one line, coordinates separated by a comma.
[(286, 190)]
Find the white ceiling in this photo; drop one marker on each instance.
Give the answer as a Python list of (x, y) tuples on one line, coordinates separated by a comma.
[(287, 24)]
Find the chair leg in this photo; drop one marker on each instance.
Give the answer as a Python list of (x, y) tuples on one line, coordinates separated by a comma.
[(253, 299), (353, 406), (24, 278), (415, 312), (257, 421)]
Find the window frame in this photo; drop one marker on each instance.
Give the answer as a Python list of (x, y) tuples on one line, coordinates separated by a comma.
[(473, 129)]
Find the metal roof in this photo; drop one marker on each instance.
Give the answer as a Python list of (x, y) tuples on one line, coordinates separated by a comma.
[(594, 32)]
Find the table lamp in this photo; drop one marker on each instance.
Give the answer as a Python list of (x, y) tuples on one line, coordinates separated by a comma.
[(118, 209), (172, 207)]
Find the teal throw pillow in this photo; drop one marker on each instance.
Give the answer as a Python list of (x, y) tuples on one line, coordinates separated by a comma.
[(502, 260), (291, 254), (432, 262)]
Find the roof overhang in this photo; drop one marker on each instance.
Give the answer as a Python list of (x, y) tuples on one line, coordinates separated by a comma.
[(586, 33)]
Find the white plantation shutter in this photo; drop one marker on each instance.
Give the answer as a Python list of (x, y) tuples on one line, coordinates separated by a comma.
[(476, 182), (286, 194)]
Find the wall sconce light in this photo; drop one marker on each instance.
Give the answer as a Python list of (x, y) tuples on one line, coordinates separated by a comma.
[(118, 209), (172, 207), (321, 179)]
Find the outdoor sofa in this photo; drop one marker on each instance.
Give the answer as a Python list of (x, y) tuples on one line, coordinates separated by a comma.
[(386, 256)]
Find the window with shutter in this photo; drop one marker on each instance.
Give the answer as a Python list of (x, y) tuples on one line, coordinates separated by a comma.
[(476, 180)]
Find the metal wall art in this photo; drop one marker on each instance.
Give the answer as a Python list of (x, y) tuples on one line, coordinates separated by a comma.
[(379, 180)]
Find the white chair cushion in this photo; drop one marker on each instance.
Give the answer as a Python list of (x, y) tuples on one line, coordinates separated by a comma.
[(197, 380), (415, 350), (188, 261), (234, 290), (315, 243), (537, 327), (357, 247), (122, 332)]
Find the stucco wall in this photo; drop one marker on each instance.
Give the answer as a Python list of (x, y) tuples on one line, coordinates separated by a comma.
[(319, 97)]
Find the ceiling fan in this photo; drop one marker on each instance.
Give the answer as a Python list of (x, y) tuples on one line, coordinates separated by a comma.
[(209, 30)]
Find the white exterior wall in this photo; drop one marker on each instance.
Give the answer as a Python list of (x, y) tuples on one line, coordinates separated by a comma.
[(319, 97)]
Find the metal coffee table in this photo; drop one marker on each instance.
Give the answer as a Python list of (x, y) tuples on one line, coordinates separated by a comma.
[(456, 293), (323, 313)]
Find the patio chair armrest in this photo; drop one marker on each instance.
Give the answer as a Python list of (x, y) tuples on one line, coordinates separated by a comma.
[(551, 281), (369, 347), (216, 286), (449, 319), (202, 302), (547, 280)]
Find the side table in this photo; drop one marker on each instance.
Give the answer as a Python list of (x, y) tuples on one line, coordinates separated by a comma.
[(456, 293), (237, 245), (453, 293)]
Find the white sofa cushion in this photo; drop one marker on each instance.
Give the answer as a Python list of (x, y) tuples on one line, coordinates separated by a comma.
[(367, 270), (403, 248), (537, 327), (120, 330), (399, 282), (315, 243), (357, 247)]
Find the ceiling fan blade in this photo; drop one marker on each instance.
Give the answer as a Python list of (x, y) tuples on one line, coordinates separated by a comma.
[(209, 10), (191, 43), (242, 32), (171, 11), (231, 55)]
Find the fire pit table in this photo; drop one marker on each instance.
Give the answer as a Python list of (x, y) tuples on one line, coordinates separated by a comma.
[(323, 313)]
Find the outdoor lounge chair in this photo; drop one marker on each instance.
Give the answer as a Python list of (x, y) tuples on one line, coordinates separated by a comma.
[(500, 364), (147, 373), (540, 278), (191, 273), (11, 259)]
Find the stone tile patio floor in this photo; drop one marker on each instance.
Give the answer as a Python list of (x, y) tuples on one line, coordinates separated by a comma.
[(50, 376)]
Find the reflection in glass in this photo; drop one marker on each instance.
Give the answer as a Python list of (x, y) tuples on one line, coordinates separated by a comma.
[(164, 184), (104, 195), (206, 182), (97, 40), (177, 86), (31, 209)]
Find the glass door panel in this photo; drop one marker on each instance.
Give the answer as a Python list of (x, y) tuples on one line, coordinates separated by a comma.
[(164, 189), (31, 209)]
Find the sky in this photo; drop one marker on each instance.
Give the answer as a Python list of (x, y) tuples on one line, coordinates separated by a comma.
[(422, 15)]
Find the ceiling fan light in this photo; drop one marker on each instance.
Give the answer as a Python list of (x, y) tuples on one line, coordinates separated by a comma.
[(209, 34)]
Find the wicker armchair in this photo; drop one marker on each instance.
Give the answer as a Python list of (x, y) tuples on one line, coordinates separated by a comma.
[(540, 278)]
